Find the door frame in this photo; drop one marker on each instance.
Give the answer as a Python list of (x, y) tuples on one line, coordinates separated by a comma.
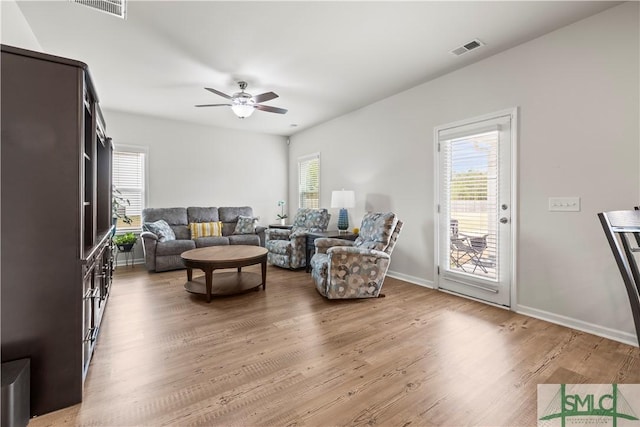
[(513, 112)]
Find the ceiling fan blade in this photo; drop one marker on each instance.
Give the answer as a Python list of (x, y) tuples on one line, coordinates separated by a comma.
[(214, 105), (217, 92), (263, 97), (271, 109)]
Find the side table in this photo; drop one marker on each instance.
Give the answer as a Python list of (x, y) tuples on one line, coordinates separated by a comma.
[(312, 236)]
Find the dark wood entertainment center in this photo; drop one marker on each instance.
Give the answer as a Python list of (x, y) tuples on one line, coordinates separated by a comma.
[(55, 222)]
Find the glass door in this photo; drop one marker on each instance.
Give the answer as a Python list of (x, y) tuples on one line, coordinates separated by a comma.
[(474, 203)]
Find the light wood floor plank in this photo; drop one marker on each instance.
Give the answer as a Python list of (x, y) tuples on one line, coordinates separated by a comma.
[(288, 357)]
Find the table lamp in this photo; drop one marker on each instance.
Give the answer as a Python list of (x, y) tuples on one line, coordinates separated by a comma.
[(343, 199)]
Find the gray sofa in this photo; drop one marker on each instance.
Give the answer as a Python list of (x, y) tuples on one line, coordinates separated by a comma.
[(163, 256)]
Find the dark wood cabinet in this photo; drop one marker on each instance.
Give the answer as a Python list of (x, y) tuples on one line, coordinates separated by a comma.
[(55, 222)]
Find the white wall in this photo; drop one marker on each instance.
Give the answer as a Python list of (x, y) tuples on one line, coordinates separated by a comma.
[(577, 90), (192, 165), (14, 30)]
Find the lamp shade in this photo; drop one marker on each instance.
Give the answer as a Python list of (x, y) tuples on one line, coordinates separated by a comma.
[(343, 199)]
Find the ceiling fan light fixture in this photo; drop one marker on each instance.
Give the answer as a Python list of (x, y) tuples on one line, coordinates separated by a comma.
[(243, 104), (243, 110)]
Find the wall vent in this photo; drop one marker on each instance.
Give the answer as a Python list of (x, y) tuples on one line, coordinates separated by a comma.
[(112, 7), (473, 44)]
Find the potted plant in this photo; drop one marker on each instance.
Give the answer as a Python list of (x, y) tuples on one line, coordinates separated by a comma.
[(118, 208), (125, 241), (282, 216)]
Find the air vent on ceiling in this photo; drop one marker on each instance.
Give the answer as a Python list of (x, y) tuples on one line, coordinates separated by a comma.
[(112, 7), (473, 44)]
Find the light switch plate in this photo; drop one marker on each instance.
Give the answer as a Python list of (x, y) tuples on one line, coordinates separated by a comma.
[(564, 204)]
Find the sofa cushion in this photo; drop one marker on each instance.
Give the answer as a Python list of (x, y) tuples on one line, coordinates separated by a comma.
[(181, 231), (173, 216), (196, 214), (244, 239), (229, 217), (245, 225), (161, 229), (232, 214), (174, 247), (203, 242), (205, 229)]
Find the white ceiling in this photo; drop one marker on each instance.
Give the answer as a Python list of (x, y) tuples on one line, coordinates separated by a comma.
[(324, 59)]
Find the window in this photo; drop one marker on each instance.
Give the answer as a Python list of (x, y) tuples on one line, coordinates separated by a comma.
[(309, 181), (129, 180)]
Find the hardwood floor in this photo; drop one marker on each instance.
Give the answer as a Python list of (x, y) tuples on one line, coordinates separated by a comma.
[(287, 356)]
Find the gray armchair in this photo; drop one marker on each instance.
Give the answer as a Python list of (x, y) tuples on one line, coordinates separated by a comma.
[(343, 269), (287, 247)]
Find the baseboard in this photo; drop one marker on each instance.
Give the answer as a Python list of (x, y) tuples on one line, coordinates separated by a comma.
[(601, 331), (591, 328), (411, 279)]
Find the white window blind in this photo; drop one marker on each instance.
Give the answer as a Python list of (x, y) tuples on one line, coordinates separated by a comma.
[(309, 181), (129, 180), (470, 188)]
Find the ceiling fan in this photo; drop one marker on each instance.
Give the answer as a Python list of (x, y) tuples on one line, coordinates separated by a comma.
[(243, 104)]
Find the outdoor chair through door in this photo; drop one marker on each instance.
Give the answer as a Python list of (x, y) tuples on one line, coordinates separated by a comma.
[(467, 249)]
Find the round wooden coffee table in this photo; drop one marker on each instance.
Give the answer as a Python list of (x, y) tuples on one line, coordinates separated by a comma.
[(217, 257)]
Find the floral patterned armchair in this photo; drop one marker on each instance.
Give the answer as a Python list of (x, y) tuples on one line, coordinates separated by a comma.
[(345, 269), (287, 248)]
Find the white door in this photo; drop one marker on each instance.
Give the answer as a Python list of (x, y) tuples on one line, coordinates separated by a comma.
[(474, 208)]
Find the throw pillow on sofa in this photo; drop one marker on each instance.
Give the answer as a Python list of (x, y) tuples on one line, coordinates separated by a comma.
[(245, 225), (205, 229), (161, 229)]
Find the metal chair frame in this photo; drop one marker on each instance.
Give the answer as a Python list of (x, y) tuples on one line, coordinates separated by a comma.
[(466, 246), (617, 226)]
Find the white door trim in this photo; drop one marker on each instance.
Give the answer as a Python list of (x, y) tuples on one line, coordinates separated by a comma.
[(513, 112)]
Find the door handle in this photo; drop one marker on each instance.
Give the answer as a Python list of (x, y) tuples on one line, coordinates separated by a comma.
[(504, 220)]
